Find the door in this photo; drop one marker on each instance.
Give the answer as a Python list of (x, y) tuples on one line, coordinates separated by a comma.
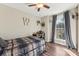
[(59, 30)]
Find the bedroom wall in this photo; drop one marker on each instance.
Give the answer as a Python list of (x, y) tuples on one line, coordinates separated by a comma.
[(45, 29), (78, 28), (48, 27), (11, 23), (73, 26)]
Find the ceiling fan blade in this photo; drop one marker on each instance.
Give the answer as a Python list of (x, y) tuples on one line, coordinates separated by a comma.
[(46, 6), (38, 9), (32, 5)]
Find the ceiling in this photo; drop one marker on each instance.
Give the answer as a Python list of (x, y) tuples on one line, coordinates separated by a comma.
[(54, 8)]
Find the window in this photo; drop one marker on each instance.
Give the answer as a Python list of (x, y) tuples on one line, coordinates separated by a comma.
[(60, 27)]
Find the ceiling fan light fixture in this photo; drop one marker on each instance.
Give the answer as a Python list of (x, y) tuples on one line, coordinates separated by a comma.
[(39, 5)]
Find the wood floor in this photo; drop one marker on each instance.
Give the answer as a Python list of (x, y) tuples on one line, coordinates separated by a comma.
[(58, 50)]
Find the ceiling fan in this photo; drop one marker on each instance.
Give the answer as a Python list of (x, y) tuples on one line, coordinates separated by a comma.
[(39, 6)]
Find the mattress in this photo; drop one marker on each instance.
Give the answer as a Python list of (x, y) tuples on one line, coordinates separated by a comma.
[(25, 46)]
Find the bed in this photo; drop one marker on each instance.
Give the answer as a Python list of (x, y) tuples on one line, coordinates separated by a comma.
[(25, 46)]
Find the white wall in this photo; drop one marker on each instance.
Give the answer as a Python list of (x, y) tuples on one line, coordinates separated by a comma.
[(45, 29), (73, 25), (11, 23), (78, 28), (48, 27)]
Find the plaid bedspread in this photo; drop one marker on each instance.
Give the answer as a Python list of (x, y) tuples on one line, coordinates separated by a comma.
[(25, 46)]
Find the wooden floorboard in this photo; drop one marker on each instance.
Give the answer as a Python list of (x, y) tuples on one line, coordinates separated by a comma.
[(58, 50)]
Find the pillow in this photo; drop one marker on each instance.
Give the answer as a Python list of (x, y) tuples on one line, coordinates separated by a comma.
[(3, 43)]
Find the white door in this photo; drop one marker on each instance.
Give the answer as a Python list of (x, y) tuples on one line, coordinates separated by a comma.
[(59, 30)]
